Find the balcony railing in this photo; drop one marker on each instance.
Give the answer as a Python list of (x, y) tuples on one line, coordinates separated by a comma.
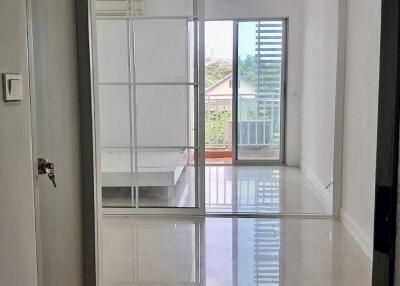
[(258, 122), (218, 122)]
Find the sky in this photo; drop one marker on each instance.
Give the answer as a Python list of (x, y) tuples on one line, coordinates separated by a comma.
[(219, 39)]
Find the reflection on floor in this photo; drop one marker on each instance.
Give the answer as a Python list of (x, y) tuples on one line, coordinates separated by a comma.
[(232, 189), (231, 252), (218, 161), (261, 190)]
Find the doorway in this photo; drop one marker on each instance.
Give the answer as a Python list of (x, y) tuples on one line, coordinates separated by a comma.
[(218, 91), (245, 63)]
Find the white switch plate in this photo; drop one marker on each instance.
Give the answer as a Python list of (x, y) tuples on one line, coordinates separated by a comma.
[(12, 86)]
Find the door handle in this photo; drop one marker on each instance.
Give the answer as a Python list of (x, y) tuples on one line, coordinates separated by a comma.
[(47, 167)]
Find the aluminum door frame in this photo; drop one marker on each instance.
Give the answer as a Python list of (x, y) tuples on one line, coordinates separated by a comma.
[(235, 94)]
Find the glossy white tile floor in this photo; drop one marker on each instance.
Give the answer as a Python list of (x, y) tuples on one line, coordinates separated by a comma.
[(234, 189), (231, 252), (261, 189)]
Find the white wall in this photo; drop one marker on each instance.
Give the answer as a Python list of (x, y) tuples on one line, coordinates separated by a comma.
[(17, 216), (162, 55), (292, 9), (360, 119), (319, 91)]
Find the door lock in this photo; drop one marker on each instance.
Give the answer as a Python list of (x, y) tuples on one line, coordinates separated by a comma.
[(47, 167)]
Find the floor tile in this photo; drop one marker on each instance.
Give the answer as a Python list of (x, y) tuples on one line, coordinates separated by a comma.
[(231, 252)]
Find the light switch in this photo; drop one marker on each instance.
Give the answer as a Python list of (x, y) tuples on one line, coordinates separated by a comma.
[(12, 86)]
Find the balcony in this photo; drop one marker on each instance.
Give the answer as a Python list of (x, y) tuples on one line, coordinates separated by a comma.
[(258, 126)]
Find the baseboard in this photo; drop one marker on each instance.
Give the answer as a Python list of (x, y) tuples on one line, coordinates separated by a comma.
[(324, 194), (292, 163), (361, 238)]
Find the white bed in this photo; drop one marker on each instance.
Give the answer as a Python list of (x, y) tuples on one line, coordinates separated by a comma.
[(155, 168)]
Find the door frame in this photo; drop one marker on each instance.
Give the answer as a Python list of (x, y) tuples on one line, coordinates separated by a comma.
[(235, 94), (387, 149), (32, 93), (387, 156), (235, 161), (87, 86), (89, 173)]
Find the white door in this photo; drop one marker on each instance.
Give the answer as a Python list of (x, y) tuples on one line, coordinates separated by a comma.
[(54, 89)]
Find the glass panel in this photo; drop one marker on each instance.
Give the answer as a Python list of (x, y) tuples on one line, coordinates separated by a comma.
[(118, 179), (218, 99), (116, 154), (161, 50), (114, 116), (260, 64), (165, 115), (107, 8), (167, 177), (192, 51), (151, 144), (154, 8), (147, 8), (112, 51)]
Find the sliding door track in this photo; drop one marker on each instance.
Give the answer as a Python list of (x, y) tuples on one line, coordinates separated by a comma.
[(234, 215)]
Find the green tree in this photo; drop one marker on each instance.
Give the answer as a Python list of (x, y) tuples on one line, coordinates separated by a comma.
[(248, 68), (215, 72)]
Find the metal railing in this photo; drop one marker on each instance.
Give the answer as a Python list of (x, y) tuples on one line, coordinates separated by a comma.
[(258, 121)]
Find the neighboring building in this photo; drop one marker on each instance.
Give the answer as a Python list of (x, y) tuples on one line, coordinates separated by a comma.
[(219, 97), (223, 89), (213, 60)]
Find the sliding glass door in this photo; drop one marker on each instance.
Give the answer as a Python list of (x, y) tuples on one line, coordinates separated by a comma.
[(260, 53), (148, 105)]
